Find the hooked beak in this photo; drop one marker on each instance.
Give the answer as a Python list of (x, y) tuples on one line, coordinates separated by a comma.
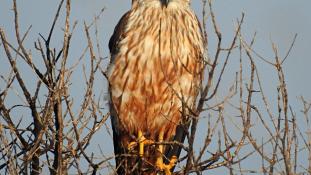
[(165, 2)]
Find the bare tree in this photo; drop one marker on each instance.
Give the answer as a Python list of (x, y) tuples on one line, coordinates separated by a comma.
[(42, 131)]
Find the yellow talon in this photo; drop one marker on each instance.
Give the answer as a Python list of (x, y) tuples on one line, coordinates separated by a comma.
[(131, 146), (142, 141), (159, 163), (166, 167)]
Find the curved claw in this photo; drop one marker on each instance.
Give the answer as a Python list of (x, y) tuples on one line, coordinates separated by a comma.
[(159, 163), (166, 167), (131, 146)]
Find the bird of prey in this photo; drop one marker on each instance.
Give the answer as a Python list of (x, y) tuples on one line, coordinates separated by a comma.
[(154, 76)]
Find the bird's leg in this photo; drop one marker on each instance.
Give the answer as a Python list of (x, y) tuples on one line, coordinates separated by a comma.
[(159, 163), (142, 141)]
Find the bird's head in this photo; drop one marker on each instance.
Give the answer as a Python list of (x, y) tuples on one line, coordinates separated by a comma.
[(164, 3)]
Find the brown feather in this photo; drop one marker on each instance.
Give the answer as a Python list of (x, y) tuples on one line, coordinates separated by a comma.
[(156, 69)]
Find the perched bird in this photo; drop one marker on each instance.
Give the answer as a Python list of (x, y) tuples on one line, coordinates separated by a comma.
[(154, 78)]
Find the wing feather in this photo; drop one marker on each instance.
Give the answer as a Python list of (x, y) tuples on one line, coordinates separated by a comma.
[(114, 49)]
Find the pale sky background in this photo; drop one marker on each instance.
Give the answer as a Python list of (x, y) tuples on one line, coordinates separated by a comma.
[(273, 20)]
